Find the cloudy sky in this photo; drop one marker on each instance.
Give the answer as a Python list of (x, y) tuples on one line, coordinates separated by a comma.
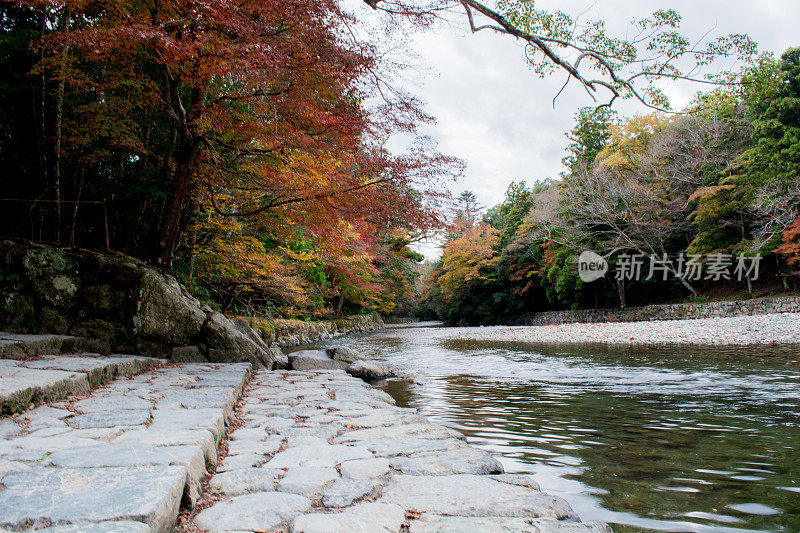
[(498, 116)]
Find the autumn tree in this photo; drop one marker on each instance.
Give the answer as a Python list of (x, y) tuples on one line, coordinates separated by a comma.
[(466, 261), (262, 101)]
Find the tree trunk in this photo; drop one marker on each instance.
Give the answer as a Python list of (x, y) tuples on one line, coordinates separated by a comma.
[(185, 164), (59, 120), (42, 126), (623, 300), (75, 209)]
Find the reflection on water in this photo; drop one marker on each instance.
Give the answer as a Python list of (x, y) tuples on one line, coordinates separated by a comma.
[(670, 439)]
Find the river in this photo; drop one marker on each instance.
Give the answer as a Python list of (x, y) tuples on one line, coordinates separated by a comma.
[(646, 439)]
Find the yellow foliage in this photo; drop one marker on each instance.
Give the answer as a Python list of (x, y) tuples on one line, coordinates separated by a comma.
[(232, 261), (630, 139), (464, 259)]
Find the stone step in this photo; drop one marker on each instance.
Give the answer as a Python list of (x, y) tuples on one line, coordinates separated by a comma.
[(124, 457), (321, 451), (55, 377), (18, 346)]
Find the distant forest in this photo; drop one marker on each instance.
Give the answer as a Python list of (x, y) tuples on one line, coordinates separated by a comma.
[(720, 179)]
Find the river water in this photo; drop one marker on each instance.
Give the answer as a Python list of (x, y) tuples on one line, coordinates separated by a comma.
[(645, 439)]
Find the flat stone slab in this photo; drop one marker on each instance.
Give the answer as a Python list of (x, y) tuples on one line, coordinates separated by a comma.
[(345, 492), (328, 437), (260, 447), (242, 461), (420, 431), (385, 417), (122, 459), (109, 419), (42, 496), (126, 526), (98, 369), (110, 401), (263, 511), (33, 448), (472, 495), (135, 455), (201, 438), (307, 480), (410, 445), (365, 468), (362, 518), (495, 524), (9, 428), (245, 481), (320, 456), (459, 461), (20, 386), (210, 419)]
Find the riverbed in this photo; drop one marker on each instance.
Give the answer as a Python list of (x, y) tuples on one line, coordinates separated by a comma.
[(680, 438), (782, 328)]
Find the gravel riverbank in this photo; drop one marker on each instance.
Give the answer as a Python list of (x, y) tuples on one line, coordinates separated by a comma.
[(745, 330)]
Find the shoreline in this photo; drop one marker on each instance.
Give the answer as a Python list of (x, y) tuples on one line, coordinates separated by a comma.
[(750, 330)]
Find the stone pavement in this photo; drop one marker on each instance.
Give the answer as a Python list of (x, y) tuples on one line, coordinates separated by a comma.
[(122, 458), (321, 451), (314, 451)]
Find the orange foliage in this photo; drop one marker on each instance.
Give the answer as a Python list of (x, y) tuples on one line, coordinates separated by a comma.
[(466, 258), (791, 243)]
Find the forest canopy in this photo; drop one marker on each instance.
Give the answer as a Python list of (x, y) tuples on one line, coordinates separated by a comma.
[(239, 144), (243, 146)]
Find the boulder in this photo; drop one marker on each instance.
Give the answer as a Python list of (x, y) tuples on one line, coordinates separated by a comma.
[(227, 342), (345, 354), (164, 312), (314, 360), (369, 370), (188, 354), (120, 304)]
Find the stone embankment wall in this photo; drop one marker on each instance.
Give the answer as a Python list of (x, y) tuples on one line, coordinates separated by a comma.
[(286, 333), (759, 306)]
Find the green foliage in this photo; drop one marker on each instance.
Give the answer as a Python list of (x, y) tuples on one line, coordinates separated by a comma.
[(589, 136), (723, 179), (508, 216)]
